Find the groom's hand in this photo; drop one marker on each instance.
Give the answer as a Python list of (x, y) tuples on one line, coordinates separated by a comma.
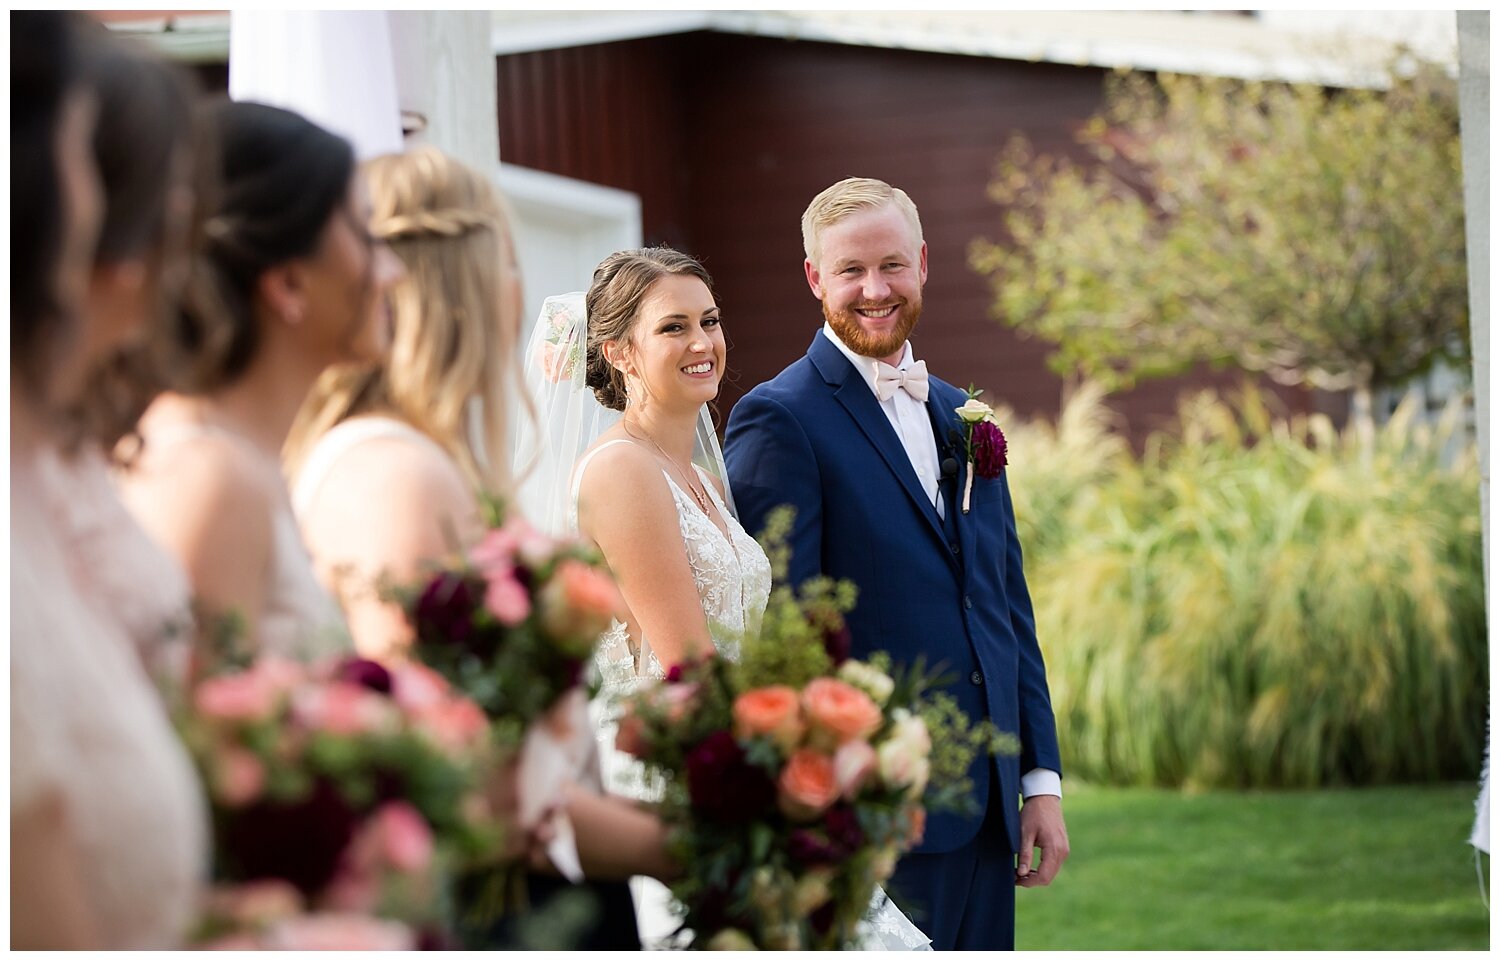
[(1041, 827)]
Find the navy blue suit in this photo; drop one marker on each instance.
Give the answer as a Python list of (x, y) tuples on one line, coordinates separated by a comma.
[(950, 589)]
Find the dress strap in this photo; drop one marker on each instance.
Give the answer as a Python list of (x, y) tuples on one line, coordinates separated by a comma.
[(338, 441), (577, 483)]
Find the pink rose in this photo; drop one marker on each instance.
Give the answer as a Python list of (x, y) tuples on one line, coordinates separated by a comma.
[(578, 603), (280, 674), (504, 596), (807, 786), (839, 710), (343, 708), (495, 551), (405, 838), (236, 697), (340, 932), (454, 725), (415, 687), (773, 712), (678, 699), (853, 764), (356, 886), (239, 776)]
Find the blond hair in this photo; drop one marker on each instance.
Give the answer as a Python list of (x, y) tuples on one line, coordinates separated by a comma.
[(847, 197), (455, 331)]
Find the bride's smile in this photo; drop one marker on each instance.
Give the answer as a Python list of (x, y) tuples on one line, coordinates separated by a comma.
[(679, 343)]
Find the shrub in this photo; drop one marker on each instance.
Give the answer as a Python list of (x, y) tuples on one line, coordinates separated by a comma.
[(1254, 601)]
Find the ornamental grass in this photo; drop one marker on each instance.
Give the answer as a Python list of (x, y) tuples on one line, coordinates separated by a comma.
[(1256, 601)]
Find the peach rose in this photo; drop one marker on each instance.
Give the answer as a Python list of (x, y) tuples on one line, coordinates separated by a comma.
[(630, 735), (255, 903), (916, 825), (839, 710), (239, 776), (773, 712), (578, 603), (853, 764), (807, 786)]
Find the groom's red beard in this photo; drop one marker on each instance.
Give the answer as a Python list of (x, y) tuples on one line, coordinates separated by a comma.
[(845, 323)]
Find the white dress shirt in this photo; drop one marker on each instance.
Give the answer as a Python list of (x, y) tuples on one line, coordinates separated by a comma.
[(909, 418)]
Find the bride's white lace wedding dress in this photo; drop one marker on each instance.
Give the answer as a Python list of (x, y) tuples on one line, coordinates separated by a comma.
[(733, 578)]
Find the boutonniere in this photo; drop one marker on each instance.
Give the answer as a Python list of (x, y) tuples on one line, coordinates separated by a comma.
[(984, 442)]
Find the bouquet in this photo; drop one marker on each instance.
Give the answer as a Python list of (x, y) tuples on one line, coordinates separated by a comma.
[(341, 794), (796, 776), (512, 624)]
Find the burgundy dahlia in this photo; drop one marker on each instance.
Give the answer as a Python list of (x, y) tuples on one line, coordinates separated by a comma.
[(844, 833), (808, 849), (357, 670), (445, 612), (987, 444), (837, 641), (723, 785), (300, 841)]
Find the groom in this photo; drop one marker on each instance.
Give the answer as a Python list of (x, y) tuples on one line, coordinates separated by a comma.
[(863, 444)]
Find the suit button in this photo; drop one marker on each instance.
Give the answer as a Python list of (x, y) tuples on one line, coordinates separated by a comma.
[(976, 678), (968, 602), (953, 547)]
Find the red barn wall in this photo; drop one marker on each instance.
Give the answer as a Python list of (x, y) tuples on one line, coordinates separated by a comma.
[(726, 138)]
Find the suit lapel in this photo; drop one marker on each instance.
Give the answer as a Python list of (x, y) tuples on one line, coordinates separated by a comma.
[(854, 394), (941, 407)]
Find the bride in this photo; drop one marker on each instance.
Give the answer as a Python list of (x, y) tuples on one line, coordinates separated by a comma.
[(624, 453)]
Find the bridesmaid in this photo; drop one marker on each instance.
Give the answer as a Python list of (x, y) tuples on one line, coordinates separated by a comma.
[(291, 271), (148, 151), (386, 467), (107, 822)]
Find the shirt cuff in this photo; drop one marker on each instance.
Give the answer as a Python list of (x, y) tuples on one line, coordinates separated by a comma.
[(1041, 781)]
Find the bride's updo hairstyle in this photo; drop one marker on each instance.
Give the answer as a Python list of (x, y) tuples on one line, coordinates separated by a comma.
[(621, 282)]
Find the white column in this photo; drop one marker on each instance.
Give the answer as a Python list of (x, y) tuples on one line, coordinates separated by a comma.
[(1474, 119), (445, 73), (333, 67)]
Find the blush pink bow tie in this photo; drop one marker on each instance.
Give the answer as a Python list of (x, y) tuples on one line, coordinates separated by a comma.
[(888, 380)]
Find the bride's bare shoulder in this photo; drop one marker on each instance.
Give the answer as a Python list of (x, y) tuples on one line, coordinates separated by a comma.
[(623, 476)]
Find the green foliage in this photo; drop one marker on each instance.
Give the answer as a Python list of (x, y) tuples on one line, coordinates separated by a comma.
[(1257, 601), (1314, 235)]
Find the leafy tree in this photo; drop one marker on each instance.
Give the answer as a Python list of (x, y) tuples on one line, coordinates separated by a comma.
[(1313, 235)]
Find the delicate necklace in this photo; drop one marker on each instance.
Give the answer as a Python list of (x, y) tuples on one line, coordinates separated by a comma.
[(699, 494)]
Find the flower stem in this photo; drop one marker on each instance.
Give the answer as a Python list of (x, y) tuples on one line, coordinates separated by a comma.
[(968, 485)]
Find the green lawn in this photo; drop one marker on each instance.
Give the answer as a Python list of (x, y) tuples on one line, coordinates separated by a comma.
[(1373, 868)]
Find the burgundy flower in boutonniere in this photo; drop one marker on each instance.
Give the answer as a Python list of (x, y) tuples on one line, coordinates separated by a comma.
[(984, 442)]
